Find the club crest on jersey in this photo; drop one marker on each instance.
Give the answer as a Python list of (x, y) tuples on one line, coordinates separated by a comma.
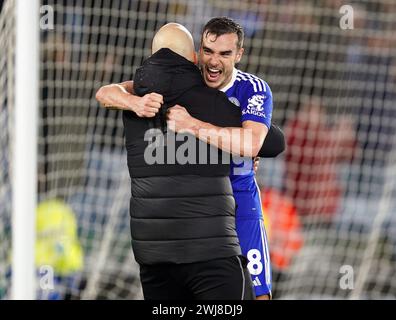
[(235, 101), (255, 106)]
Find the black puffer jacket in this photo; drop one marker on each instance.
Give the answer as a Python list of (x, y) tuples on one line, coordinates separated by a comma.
[(179, 213)]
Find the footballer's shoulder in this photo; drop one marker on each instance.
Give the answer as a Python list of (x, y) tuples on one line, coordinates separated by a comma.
[(248, 80)]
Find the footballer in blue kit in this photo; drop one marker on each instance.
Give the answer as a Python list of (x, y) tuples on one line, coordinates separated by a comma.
[(221, 49), (254, 97)]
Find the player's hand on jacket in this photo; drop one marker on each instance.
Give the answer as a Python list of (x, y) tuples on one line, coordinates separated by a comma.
[(148, 105), (179, 120)]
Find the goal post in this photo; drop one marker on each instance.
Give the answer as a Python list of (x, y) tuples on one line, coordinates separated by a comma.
[(24, 159)]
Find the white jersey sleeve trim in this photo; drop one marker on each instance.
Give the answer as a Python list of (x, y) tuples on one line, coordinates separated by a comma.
[(231, 83), (258, 84)]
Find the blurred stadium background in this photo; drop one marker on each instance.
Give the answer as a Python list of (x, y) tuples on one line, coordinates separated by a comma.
[(329, 200)]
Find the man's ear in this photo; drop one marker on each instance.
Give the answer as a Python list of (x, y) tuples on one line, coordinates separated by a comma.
[(239, 55), (195, 58)]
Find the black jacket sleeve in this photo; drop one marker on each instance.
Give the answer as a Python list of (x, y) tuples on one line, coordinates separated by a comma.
[(274, 143)]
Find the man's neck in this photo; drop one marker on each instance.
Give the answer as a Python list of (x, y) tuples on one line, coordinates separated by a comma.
[(231, 82)]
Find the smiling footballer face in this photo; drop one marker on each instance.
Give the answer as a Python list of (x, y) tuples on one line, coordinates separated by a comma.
[(221, 48), (218, 56)]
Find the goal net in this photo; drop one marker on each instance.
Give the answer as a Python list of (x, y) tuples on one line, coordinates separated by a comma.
[(328, 200)]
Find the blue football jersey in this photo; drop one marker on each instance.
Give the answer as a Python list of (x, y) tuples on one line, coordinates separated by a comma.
[(254, 97)]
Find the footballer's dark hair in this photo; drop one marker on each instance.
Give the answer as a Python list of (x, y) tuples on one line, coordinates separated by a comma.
[(223, 25)]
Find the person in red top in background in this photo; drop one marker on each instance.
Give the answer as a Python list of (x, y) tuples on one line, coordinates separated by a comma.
[(314, 150)]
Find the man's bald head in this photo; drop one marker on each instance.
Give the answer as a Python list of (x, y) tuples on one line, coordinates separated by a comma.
[(176, 37)]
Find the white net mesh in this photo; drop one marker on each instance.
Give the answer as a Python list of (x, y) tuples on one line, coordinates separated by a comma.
[(329, 200)]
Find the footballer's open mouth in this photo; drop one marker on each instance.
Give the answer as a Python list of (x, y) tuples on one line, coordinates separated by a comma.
[(213, 74)]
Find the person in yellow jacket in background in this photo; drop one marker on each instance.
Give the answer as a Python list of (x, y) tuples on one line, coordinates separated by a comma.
[(59, 255)]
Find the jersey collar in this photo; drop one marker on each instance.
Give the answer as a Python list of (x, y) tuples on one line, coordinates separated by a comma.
[(231, 83)]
